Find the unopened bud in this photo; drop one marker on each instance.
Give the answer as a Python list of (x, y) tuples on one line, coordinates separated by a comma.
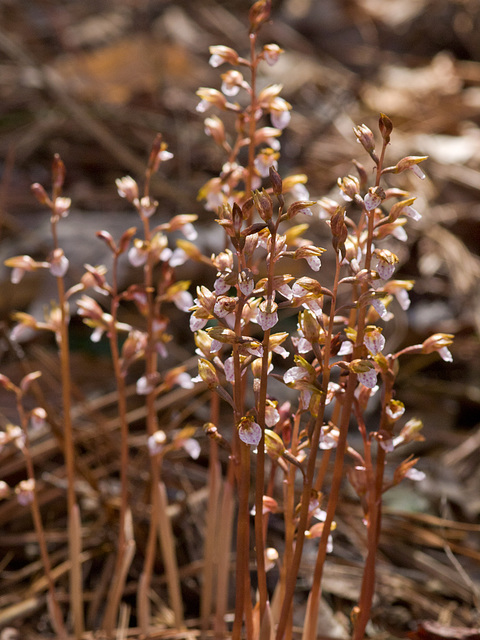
[(365, 137), (207, 372), (386, 127), (40, 194), (58, 174), (274, 446), (263, 204), (214, 127), (276, 181), (350, 187), (259, 13), (309, 325)]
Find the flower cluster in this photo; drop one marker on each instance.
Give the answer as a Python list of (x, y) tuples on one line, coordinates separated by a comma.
[(329, 362), (340, 352)]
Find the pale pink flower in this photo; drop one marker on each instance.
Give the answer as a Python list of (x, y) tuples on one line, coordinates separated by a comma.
[(232, 81), (280, 113), (137, 255), (183, 300), (220, 286), (294, 374), (249, 431), (144, 386), (379, 307), (246, 283), (25, 491), (127, 188), (265, 159), (62, 207), (197, 323), (272, 417), (329, 438), (219, 54), (271, 53), (412, 213), (374, 340), (445, 354), (415, 475), (192, 447), (59, 264), (38, 418), (267, 316), (368, 378), (156, 442), (178, 257), (371, 201)]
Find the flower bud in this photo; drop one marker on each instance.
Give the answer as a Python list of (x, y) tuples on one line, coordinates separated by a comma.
[(386, 127), (125, 239), (40, 194), (58, 174), (28, 379), (215, 128), (4, 490), (263, 204), (274, 446), (411, 431), (208, 373), (365, 138), (309, 325), (258, 14), (349, 186), (339, 231), (276, 180)]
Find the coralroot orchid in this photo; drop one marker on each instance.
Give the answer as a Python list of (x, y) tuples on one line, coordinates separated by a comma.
[(291, 337)]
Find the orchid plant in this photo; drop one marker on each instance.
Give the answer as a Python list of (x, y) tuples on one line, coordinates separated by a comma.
[(331, 367)]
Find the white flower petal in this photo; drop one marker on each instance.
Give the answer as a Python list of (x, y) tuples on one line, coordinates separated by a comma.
[(368, 379)]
